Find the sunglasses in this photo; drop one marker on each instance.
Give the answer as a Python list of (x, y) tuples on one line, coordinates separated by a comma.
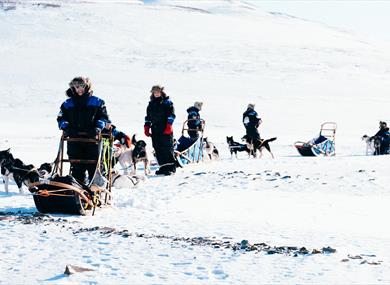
[(79, 85)]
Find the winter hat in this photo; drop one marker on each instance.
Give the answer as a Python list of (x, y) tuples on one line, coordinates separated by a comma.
[(157, 88), (251, 106), (78, 80), (198, 105), (382, 124)]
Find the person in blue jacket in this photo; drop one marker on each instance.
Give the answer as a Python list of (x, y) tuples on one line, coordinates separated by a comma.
[(82, 115), (384, 136), (194, 122), (251, 123)]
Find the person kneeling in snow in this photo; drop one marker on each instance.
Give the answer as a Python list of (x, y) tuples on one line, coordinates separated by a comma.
[(384, 136), (194, 122)]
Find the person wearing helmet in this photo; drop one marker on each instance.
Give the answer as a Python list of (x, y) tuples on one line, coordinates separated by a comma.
[(251, 122), (82, 115), (384, 135), (194, 122), (160, 115)]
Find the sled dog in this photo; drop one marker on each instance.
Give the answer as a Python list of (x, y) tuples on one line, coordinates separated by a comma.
[(14, 168), (235, 147), (258, 145)]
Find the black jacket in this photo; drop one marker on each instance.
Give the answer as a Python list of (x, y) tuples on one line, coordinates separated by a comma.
[(250, 119), (383, 133), (159, 113), (194, 116), (82, 113)]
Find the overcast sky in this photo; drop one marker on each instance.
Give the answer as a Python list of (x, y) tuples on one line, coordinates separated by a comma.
[(367, 17)]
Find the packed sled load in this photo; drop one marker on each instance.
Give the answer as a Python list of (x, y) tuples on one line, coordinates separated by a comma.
[(323, 145)]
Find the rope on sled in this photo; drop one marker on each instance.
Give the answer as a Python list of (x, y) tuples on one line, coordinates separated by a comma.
[(63, 185)]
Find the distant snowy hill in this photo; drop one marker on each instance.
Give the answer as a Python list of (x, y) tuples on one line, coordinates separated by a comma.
[(226, 53)]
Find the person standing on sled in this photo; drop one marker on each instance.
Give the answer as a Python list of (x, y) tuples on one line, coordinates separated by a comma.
[(251, 122), (82, 115), (160, 115), (194, 122)]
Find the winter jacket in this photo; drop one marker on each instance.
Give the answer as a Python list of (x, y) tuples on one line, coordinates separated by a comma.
[(251, 123), (383, 133), (194, 122), (83, 113), (250, 119), (159, 113)]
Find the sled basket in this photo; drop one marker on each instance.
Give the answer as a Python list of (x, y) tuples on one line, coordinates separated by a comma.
[(187, 149), (323, 145), (61, 193)]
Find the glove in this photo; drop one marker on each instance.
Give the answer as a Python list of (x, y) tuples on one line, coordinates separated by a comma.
[(168, 129), (124, 139), (65, 132), (127, 141), (97, 131), (64, 126), (147, 131)]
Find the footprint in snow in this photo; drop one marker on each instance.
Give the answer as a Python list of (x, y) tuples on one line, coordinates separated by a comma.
[(219, 274)]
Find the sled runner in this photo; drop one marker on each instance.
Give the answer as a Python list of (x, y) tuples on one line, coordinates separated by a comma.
[(324, 144), (187, 149), (62, 193)]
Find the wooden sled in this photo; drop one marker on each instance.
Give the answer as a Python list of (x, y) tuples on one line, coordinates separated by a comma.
[(61, 193)]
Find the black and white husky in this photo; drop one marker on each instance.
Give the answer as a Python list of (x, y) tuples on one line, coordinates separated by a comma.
[(210, 149), (373, 144), (14, 168), (258, 145), (128, 157), (235, 147)]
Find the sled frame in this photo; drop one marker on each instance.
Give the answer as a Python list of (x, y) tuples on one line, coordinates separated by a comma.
[(101, 195), (194, 153)]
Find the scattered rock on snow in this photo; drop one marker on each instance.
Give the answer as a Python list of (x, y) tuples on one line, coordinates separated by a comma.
[(354, 256), (72, 269), (328, 249)]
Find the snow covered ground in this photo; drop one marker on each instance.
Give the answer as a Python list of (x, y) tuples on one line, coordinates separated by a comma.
[(226, 54)]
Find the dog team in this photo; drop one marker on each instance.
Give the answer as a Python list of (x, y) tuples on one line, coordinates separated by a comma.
[(83, 114)]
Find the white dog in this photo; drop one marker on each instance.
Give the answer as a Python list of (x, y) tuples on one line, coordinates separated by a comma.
[(124, 156), (126, 181), (373, 145), (129, 156)]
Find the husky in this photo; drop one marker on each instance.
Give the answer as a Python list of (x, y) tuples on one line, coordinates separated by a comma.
[(258, 145), (14, 168), (139, 153), (128, 157), (126, 181), (210, 149), (373, 144), (235, 147)]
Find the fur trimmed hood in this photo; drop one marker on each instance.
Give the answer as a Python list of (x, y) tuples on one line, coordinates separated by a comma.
[(70, 92)]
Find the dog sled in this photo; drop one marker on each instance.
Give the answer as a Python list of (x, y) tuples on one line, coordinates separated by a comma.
[(62, 193), (323, 145), (187, 149)]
